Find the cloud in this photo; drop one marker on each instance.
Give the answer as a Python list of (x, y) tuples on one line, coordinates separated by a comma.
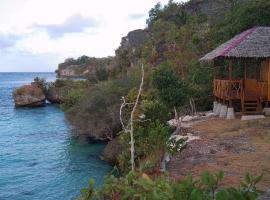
[(135, 16), (8, 40), (74, 24)]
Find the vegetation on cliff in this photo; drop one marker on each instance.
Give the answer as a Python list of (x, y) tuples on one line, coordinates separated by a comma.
[(96, 115), (84, 66), (176, 37), (139, 185)]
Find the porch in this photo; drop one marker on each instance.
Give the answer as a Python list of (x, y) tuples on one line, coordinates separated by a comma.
[(250, 92)]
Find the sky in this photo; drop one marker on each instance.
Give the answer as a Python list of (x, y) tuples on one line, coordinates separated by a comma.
[(36, 35)]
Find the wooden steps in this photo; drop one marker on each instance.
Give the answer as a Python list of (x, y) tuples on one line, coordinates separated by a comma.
[(252, 107)]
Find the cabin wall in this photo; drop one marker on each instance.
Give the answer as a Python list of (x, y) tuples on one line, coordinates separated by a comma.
[(268, 80), (264, 76), (264, 71)]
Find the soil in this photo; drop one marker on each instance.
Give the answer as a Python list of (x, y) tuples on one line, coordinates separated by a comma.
[(233, 146)]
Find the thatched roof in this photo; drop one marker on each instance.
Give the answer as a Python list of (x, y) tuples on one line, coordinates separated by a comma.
[(252, 43)]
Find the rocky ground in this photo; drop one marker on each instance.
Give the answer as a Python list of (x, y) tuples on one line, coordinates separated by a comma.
[(233, 146)]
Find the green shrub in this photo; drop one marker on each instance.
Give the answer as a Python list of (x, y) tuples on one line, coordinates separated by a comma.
[(71, 98), (97, 113), (199, 83), (101, 73), (140, 186), (154, 110), (170, 88), (92, 79), (150, 144), (41, 83), (70, 83)]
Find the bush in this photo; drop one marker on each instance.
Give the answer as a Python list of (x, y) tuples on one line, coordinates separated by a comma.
[(70, 83), (41, 83), (199, 83), (101, 73), (96, 115), (92, 79), (71, 98), (170, 88), (154, 110), (151, 143), (139, 185)]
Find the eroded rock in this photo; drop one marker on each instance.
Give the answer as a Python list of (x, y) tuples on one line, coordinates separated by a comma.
[(54, 95), (111, 151), (29, 96)]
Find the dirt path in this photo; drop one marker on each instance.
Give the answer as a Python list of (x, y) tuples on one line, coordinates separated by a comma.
[(233, 146)]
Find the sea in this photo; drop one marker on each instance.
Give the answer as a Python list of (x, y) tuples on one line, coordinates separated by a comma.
[(40, 159)]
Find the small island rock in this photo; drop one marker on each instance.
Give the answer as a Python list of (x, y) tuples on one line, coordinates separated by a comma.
[(29, 96)]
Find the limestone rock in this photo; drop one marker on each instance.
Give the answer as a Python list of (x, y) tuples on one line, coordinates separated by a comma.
[(29, 96), (53, 95), (111, 151)]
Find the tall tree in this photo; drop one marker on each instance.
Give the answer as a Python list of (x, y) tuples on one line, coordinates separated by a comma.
[(171, 88)]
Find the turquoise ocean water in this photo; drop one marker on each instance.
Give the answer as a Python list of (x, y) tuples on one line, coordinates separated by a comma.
[(39, 158)]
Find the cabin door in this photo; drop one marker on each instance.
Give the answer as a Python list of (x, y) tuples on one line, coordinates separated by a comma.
[(251, 82), (251, 92)]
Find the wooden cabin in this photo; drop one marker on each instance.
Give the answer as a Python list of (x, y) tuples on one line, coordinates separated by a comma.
[(242, 71)]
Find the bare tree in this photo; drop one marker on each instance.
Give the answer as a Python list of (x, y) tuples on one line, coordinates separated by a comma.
[(129, 128)]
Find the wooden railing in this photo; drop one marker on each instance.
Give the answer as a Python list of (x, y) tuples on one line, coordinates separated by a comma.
[(228, 89)]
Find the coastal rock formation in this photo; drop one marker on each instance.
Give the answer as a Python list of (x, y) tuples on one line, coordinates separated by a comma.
[(83, 66), (128, 52), (111, 151), (53, 95), (29, 96)]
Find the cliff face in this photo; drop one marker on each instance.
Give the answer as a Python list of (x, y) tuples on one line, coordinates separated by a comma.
[(128, 53), (88, 66), (66, 70), (83, 66), (213, 9), (134, 39)]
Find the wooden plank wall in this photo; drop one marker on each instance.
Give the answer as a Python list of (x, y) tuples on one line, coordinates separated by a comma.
[(264, 76), (268, 80)]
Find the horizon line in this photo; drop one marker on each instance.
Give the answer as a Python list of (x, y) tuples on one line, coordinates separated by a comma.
[(26, 72)]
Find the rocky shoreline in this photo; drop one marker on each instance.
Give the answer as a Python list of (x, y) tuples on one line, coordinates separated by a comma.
[(203, 152), (37, 93)]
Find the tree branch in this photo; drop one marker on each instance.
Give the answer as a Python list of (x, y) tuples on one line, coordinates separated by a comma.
[(123, 105)]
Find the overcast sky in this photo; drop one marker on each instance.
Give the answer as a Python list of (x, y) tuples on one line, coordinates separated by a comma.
[(35, 35)]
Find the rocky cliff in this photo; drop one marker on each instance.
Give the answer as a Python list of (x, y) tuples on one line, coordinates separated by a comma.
[(213, 9), (128, 53), (83, 66)]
